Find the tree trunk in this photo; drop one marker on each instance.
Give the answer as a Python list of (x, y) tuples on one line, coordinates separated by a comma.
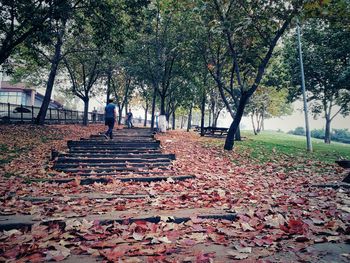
[(189, 122), (209, 118), (155, 87), (173, 116), (108, 87), (215, 119), (162, 105), (86, 112), (40, 119), (202, 113), (253, 124), (230, 139), (238, 134), (146, 111), (126, 108), (120, 113), (258, 121), (327, 133)]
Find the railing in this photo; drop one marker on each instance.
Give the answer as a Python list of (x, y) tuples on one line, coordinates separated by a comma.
[(13, 113), (10, 113)]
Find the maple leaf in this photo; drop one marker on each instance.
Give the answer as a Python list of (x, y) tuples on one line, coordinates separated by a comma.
[(114, 254), (57, 255)]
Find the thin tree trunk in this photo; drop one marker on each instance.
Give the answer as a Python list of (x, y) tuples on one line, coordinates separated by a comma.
[(40, 119), (120, 112), (215, 119), (327, 134), (153, 105), (108, 87), (146, 111), (189, 122), (162, 105), (209, 118), (202, 113), (86, 112), (253, 124), (173, 116), (257, 116)]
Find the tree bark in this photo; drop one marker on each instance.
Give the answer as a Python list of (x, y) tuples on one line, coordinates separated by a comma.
[(253, 124), (189, 121), (86, 111), (162, 105), (235, 124), (327, 133), (40, 119), (238, 134), (155, 87), (120, 113), (108, 86), (146, 111), (202, 113), (209, 118), (173, 116)]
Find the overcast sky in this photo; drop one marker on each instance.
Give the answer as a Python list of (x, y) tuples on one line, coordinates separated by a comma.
[(288, 123)]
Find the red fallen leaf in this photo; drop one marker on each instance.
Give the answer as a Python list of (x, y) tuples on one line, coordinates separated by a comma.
[(294, 226), (12, 253), (120, 207), (115, 253), (155, 259), (204, 257), (34, 258), (173, 235)]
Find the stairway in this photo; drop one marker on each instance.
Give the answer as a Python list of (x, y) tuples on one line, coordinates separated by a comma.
[(132, 155)]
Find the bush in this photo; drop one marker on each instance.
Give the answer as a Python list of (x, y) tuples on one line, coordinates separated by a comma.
[(340, 135), (298, 131), (318, 133)]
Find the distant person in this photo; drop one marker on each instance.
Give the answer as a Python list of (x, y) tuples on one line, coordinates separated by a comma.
[(94, 114), (110, 117), (129, 119)]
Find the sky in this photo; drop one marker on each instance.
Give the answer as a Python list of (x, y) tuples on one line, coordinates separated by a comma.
[(290, 122)]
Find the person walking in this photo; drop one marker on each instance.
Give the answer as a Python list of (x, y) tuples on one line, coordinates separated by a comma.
[(110, 117), (129, 119)]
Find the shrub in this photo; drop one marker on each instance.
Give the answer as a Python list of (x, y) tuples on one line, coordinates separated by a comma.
[(298, 131)]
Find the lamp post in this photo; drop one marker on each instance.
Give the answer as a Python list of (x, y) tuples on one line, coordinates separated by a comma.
[(307, 128)]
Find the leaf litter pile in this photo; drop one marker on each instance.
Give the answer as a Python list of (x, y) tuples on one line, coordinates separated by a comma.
[(278, 210)]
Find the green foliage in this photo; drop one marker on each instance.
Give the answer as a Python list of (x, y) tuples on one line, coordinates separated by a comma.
[(338, 135), (21, 19), (298, 131), (327, 74)]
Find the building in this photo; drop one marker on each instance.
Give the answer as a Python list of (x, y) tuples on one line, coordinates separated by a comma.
[(23, 94)]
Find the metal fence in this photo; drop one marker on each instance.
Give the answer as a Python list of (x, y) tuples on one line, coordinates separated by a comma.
[(13, 113), (10, 113)]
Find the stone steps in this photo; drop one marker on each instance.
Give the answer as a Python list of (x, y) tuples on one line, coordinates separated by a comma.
[(123, 217)]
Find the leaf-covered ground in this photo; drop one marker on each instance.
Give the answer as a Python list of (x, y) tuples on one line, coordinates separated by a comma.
[(279, 211)]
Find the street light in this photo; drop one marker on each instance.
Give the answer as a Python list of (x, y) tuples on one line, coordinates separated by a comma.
[(308, 135)]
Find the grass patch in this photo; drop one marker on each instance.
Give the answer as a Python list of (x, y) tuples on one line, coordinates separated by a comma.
[(271, 146)]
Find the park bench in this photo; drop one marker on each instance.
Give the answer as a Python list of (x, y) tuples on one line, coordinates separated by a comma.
[(346, 165), (215, 131)]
